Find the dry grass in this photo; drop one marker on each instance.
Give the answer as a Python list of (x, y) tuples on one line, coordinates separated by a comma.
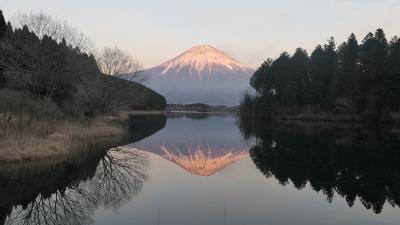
[(49, 141)]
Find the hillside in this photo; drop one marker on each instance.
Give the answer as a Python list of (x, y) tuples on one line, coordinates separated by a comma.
[(140, 97)]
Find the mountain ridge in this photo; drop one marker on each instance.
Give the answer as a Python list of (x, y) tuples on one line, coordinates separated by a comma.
[(201, 74), (201, 62)]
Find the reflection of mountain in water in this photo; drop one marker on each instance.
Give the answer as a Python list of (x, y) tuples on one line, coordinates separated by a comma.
[(355, 163), (201, 161), (200, 145), (69, 190)]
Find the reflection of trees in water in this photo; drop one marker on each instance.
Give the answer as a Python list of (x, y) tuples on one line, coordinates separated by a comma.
[(72, 206), (142, 126), (354, 163), (67, 191), (119, 175)]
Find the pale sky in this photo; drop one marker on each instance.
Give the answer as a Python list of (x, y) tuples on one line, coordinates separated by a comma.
[(249, 30)]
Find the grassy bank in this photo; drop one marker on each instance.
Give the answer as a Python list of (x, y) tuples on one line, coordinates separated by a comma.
[(44, 140)]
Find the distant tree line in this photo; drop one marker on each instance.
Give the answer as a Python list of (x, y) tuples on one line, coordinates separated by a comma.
[(353, 78), (45, 74)]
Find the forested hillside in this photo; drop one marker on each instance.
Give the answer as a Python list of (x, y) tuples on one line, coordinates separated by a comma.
[(43, 76), (352, 79)]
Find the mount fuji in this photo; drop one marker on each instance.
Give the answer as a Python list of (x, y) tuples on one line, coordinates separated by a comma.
[(202, 74)]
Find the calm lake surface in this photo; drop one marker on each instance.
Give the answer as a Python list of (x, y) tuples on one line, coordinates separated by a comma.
[(196, 169)]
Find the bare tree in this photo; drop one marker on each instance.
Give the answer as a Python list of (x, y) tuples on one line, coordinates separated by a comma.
[(45, 25), (119, 175), (112, 91), (118, 63)]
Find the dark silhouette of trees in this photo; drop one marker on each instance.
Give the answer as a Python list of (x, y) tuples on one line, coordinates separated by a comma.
[(59, 30), (391, 94), (317, 76), (373, 54), (3, 25), (299, 80), (46, 65), (352, 162), (351, 79), (3, 29), (347, 68), (330, 82)]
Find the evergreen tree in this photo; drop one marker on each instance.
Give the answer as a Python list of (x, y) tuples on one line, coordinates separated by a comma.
[(373, 54), (280, 74), (330, 69), (317, 76), (353, 78), (47, 75), (391, 84), (347, 68), (3, 29), (3, 25), (261, 79), (299, 77)]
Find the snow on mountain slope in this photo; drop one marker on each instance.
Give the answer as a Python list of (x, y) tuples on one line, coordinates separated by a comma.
[(201, 74), (202, 62)]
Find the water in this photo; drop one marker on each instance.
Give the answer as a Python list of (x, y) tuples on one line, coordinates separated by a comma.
[(198, 169)]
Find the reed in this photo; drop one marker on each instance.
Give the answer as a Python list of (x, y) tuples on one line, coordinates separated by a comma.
[(48, 140)]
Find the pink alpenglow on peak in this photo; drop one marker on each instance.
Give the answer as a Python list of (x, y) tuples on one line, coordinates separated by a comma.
[(202, 62), (202, 74)]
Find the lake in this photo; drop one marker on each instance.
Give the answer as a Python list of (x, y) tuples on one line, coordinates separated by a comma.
[(204, 169)]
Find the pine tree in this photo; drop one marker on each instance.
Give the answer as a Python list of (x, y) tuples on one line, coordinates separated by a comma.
[(280, 72), (373, 55), (262, 80), (330, 69), (316, 76), (347, 68), (353, 78), (299, 77), (3, 29), (391, 83), (3, 25)]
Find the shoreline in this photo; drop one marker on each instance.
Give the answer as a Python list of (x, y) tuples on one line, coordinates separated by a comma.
[(167, 112), (328, 117), (66, 137), (62, 139), (57, 140)]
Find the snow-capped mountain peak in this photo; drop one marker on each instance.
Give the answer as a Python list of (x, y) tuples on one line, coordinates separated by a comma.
[(202, 62), (201, 74)]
